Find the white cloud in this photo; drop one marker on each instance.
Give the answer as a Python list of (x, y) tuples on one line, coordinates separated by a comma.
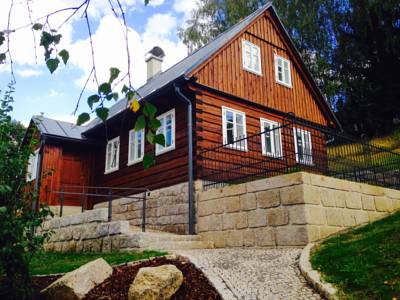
[(29, 72), (110, 48), (186, 7), (53, 93), (156, 3)]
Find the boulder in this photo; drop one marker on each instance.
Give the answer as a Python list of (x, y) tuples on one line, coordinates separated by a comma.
[(155, 283), (76, 284)]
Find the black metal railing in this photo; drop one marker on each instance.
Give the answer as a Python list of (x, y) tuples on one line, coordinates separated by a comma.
[(293, 146), (83, 195)]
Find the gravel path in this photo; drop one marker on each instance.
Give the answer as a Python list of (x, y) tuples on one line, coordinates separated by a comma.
[(253, 274)]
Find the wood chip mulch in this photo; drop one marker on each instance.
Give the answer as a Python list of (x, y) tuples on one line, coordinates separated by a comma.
[(195, 285)]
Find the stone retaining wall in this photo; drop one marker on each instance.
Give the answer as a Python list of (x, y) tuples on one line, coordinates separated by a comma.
[(289, 210), (89, 232), (167, 209)]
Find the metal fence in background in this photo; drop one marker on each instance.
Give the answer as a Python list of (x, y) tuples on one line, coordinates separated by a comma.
[(295, 146), (83, 195)]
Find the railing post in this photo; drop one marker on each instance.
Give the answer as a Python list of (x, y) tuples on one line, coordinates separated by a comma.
[(144, 212), (62, 201), (109, 205)]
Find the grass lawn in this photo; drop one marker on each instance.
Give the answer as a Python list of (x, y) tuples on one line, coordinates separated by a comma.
[(363, 263), (54, 262)]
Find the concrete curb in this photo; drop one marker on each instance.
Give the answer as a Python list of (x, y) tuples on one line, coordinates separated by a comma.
[(313, 277)]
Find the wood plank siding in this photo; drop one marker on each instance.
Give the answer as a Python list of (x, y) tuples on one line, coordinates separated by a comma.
[(224, 72), (171, 166)]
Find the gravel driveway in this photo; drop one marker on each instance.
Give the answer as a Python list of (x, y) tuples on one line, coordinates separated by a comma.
[(253, 274)]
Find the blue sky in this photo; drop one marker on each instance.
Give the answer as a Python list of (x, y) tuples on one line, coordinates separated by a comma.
[(37, 91)]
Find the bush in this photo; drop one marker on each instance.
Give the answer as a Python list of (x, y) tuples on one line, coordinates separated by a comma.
[(18, 221)]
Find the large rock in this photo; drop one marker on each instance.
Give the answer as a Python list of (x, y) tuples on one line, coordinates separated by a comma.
[(155, 283), (76, 284)]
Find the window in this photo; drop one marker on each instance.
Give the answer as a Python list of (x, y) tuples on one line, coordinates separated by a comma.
[(234, 129), (271, 138), (112, 155), (167, 128), (282, 71), (136, 146), (32, 166), (251, 57), (303, 146)]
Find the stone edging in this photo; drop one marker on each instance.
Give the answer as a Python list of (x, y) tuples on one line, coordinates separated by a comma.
[(313, 277)]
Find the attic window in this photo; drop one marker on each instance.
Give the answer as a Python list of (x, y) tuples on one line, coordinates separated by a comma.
[(112, 155), (251, 57), (282, 71), (32, 166)]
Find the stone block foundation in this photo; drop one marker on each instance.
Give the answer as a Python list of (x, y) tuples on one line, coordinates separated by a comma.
[(289, 210)]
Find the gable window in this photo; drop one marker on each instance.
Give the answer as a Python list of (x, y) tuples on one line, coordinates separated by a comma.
[(167, 128), (271, 138), (282, 71), (234, 129), (136, 146), (303, 146), (32, 166), (251, 57), (112, 155)]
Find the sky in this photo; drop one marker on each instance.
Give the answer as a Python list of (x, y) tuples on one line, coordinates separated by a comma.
[(56, 95)]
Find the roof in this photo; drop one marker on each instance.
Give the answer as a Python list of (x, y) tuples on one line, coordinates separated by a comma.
[(186, 65), (53, 127)]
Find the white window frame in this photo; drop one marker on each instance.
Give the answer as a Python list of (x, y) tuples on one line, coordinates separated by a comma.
[(110, 170), (285, 81), (159, 148), (254, 51), (276, 150), (308, 160), (32, 166), (235, 136), (134, 134)]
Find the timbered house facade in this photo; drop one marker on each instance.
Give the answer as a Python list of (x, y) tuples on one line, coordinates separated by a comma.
[(245, 81)]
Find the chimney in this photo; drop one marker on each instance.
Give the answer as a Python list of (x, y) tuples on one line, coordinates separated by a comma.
[(154, 58)]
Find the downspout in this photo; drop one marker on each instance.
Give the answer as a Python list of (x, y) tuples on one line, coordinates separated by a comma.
[(35, 204), (190, 158)]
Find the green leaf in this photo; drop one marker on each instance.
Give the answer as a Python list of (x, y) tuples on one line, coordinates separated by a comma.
[(102, 113), (115, 96), (146, 2), (2, 38), (149, 110), (105, 88), (37, 26), (154, 123), (124, 89), (52, 64), (148, 160), (130, 95), (150, 137), (56, 38), (160, 139), (2, 58), (140, 123), (64, 55), (114, 72), (93, 99), (3, 209), (83, 118)]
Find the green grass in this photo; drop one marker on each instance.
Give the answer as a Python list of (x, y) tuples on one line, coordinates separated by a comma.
[(363, 263), (54, 262)]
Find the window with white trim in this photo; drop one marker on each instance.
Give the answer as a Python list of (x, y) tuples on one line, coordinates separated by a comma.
[(112, 155), (167, 128), (271, 138), (282, 71), (234, 129), (251, 57), (303, 146), (32, 166), (136, 146)]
